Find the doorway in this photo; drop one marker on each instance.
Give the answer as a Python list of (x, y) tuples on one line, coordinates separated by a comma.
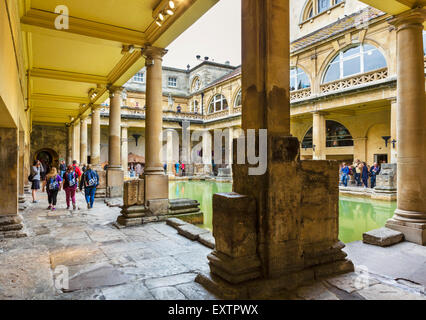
[(381, 158)]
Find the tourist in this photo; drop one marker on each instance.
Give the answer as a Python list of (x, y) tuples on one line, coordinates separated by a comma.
[(345, 174), (165, 167), (357, 175), (83, 168), (70, 186), (364, 174), (89, 181), (177, 165), (62, 168), (52, 184), (374, 171), (35, 178), (76, 168), (183, 169), (138, 169)]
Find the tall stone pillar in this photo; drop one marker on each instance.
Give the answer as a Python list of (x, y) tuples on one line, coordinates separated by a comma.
[(83, 141), (115, 174), (410, 215), (394, 136), (279, 229), (76, 139), (10, 222), (319, 136), (156, 182), (69, 144), (95, 156), (125, 148)]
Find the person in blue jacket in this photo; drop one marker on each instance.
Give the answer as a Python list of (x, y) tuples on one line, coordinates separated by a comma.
[(364, 175), (345, 174), (374, 171)]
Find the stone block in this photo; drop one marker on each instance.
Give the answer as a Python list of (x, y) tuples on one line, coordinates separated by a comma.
[(190, 231), (102, 178), (192, 218), (413, 232), (115, 182), (207, 239), (174, 222), (234, 224), (382, 237), (158, 206), (156, 187)]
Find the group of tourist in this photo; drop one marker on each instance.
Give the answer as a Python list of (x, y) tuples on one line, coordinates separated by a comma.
[(179, 168), (361, 172), (69, 178)]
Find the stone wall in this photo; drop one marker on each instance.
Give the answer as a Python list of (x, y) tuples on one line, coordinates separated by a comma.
[(49, 137)]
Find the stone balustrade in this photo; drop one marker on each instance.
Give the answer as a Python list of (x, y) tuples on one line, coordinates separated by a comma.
[(300, 94), (354, 81)]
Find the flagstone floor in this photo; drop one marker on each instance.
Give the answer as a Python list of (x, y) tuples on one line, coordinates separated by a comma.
[(82, 251)]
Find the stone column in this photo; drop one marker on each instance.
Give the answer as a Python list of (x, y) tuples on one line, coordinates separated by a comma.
[(125, 149), (410, 215), (115, 174), (69, 144), (22, 178), (10, 223), (95, 149), (319, 136), (76, 147), (83, 141), (394, 135), (156, 181), (279, 229), (170, 157)]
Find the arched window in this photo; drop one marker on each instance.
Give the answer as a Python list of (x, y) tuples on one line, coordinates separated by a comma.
[(315, 7), (307, 142), (298, 79), (238, 101), (355, 60), (218, 103), (194, 106), (336, 136)]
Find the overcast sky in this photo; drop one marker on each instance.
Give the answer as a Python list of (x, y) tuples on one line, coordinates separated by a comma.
[(216, 35)]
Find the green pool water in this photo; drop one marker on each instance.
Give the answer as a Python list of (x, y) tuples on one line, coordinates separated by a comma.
[(357, 215)]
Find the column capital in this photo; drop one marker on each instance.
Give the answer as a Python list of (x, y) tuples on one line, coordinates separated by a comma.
[(151, 53), (410, 19), (83, 118), (113, 90)]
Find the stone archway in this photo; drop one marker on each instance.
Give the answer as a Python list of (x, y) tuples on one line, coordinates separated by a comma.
[(48, 157)]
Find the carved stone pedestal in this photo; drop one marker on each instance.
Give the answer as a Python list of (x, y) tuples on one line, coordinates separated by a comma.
[(115, 179), (386, 183), (11, 227)]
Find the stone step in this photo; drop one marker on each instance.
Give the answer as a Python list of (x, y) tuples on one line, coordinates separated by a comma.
[(382, 237)]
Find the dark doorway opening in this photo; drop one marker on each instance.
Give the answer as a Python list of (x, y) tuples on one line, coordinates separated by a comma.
[(381, 158)]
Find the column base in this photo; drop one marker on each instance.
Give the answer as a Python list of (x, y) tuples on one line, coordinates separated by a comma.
[(156, 187), (258, 289), (11, 227), (413, 232), (115, 182)]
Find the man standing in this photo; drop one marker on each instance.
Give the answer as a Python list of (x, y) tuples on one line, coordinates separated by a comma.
[(76, 168), (374, 171), (62, 168), (357, 175), (89, 181), (345, 174)]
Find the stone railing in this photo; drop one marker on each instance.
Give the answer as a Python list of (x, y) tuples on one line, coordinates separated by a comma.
[(182, 115), (354, 81), (238, 110), (217, 115), (300, 94)]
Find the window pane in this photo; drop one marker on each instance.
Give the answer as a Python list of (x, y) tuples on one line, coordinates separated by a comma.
[(323, 5), (351, 52), (303, 81), (424, 42), (293, 83), (352, 66), (333, 73), (373, 60)]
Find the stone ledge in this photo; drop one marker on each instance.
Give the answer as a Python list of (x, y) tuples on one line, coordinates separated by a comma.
[(190, 231), (382, 237)]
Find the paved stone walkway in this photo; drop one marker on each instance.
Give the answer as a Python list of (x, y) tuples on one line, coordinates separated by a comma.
[(147, 262)]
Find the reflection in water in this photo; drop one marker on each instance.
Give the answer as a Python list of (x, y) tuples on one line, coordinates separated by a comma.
[(357, 215)]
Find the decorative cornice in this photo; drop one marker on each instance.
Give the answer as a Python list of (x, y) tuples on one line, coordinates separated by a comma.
[(68, 76), (410, 19)]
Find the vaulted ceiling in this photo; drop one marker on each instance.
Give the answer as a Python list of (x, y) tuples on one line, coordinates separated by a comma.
[(69, 69)]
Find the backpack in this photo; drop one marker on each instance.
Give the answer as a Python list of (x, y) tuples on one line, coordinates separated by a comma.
[(72, 180), (53, 184), (30, 178), (91, 179)]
